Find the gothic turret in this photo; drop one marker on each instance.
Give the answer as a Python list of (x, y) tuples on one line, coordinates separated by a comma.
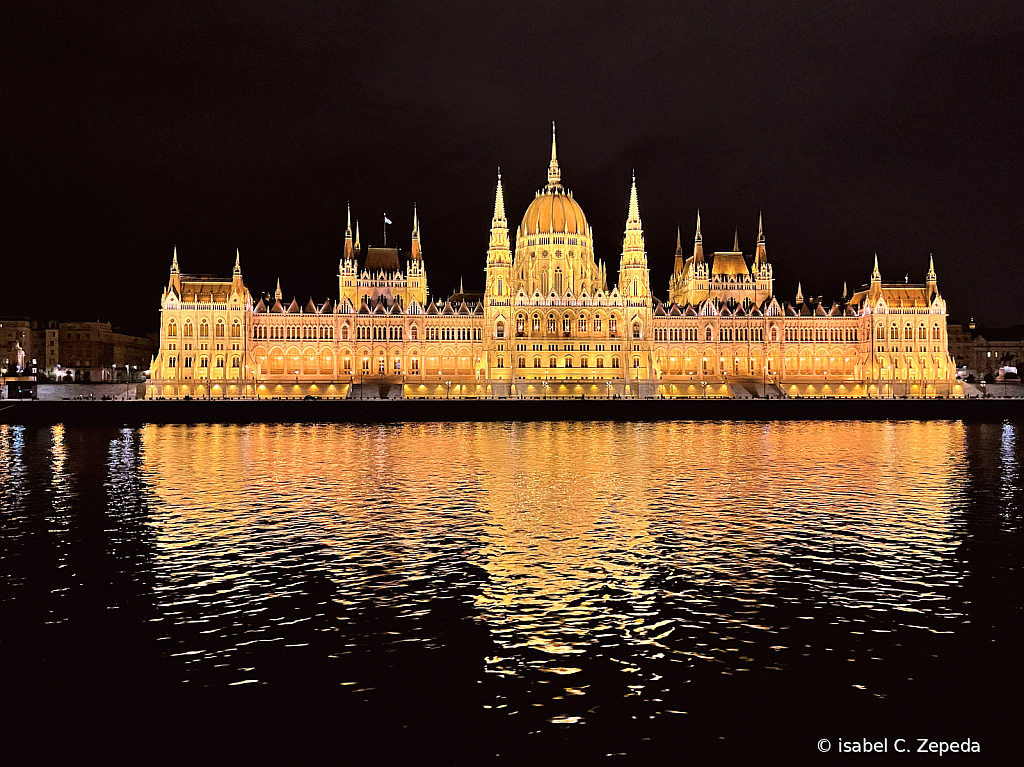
[(761, 255), (634, 280)]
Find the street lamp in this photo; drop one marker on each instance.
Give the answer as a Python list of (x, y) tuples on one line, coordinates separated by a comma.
[(704, 389)]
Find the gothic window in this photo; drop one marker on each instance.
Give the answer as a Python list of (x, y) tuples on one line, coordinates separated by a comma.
[(636, 362), (597, 324), (568, 362), (613, 325), (171, 362), (188, 362), (583, 324), (500, 286), (187, 332), (521, 362), (220, 362), (366, 364), (536, 362), (415, 364), (544, 282), (600, 362), (566, 324), (536, 323), (584, 362), (501, 362), (908, 333), (708, 334), (935, 332), (220, 329), (551, 323), (615, 362), (204, 330), (894, 332), (552, 361), (520, 323), (922, 333), (558, 278), (414, 333), (500, 329), (636, 330), (172, 328)]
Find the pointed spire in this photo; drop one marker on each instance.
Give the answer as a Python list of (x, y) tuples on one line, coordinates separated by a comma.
[(761, 255), (799, 294), (844, 290), (931, 269), (634, 206), (698, 246), (417, 254), (876, 275), (357, 234), (415, 222), (348, 221), (554, 174), (277, 293), (461, 291), (238, 263), (736, 241), (499, 246), (677, 267), (174, 262)]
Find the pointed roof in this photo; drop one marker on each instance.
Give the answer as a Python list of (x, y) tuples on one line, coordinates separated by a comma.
[(293, 307), (357, 234), (634, 206), (499, 204), (736, 241), (311, 307), (174, 262), (277, 293), (761, 255), (348, 221), (238, 263), (698, 247), (554, 174), (328, 307), (930, 277), (799, 294), (876, 275), (260, 307)]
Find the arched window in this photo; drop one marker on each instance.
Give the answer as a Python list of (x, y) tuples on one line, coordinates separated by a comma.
[(709, 334), (236, 329), (500, 286), (600, 362), (558, 280), (613, 325), (220, 362), (501, 362), (544, 282), (615, 362), (552, 361), (172, 362), (521, 362), (908, 333), (219, 330), (204, 330), (922, 333), (172, 329), (234, 362), (582, 324), (566, 324), (935, 332), (187, 331), (414, 333), (344, 332), (775, 334), (536, 362), (894, 332), (551, 323), (636, 330), (536, 323), (520, 323), (584, 362), (597, 324), (636, 362), (500, 329)]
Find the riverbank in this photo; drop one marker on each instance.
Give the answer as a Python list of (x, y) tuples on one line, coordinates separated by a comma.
[(136, 413)]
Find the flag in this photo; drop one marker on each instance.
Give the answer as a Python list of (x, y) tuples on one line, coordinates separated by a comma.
[(386, 219)]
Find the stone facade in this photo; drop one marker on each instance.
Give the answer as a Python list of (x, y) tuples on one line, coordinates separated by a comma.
[(549, 325)]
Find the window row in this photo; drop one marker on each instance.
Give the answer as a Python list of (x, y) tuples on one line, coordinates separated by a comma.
[(219, 329)]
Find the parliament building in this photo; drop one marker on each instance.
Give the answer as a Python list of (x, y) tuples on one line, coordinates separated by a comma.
[(548, 324)]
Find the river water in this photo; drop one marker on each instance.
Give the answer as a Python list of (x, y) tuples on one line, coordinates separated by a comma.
[(534, 590)]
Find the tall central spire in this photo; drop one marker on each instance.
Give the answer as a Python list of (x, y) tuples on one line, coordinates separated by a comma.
[(554, 174), (499, 224)]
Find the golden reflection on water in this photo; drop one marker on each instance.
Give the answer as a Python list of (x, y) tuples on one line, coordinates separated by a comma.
[(577, 527)]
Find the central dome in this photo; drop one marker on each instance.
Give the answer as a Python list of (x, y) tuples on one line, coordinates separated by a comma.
[(553, 210)]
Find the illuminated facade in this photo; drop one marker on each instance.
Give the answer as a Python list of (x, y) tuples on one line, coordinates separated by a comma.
[(549, 325)]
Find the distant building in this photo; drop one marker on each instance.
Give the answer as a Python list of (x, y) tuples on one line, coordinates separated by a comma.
[(79, 351), (549, 324), (984, 351)]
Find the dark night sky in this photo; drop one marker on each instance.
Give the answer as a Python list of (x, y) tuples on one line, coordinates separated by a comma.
[(857, 126)]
